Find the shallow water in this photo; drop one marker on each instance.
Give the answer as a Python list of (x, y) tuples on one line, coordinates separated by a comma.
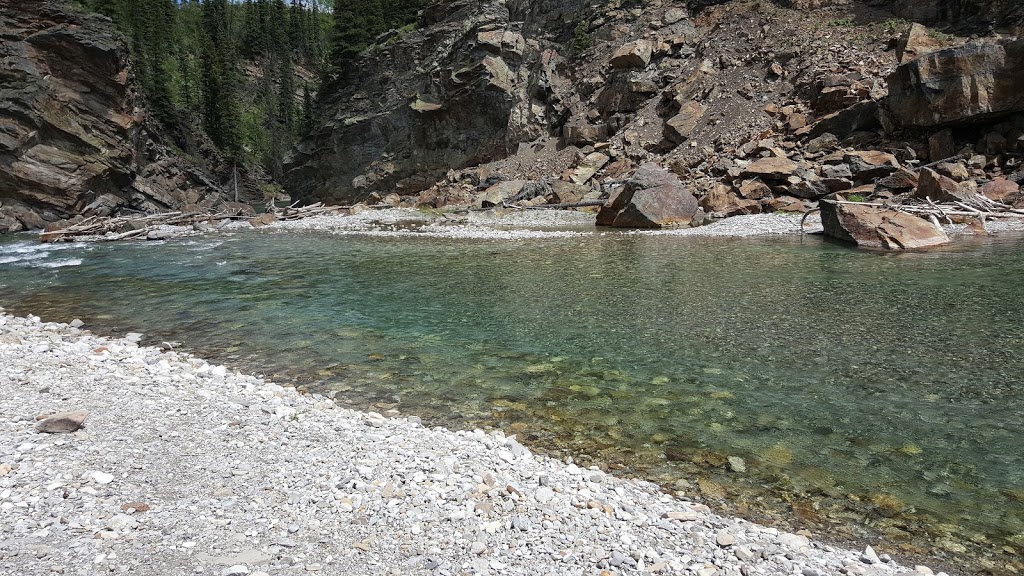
[(868, 395)]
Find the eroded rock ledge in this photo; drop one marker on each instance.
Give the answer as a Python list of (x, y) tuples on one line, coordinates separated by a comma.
[(74, 137)]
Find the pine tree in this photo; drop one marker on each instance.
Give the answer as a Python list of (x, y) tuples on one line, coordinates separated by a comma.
[(356, 24), (220, 113)]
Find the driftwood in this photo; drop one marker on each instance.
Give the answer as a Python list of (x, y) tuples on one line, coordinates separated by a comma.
[(946, 209), (567, 205), (127, 227)]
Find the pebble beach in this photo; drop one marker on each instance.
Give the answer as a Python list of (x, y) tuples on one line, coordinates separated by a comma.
[(184, 467)]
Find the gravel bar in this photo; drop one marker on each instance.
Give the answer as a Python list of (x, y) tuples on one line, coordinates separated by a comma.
[(184, 467)]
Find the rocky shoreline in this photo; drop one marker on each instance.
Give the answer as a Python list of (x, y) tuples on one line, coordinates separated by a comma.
[(188, 467)]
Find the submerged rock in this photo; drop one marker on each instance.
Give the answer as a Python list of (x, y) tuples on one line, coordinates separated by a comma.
[(878, 227)]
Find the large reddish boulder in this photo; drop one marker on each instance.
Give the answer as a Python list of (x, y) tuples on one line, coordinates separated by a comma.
[(878, 227), (652, 198), (981, 79)]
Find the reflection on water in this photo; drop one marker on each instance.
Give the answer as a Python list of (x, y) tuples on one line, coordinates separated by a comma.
[(864, 395)]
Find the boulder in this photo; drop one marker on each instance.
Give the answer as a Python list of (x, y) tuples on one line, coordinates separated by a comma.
[(579, 132), (589, 166), (633, 55), (939, 188), (941, 145), (915, 42), (878, 227), (769, 169), (499, 193), (867, 165), (754, 190), (679, 127), (722, 201), (652, 198), (787, 204), (901, 179), (953, 85), (1000, 189), (563, 192), (265, 219), (954, 171)]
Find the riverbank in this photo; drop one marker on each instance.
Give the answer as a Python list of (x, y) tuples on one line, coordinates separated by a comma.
[(187, 467)]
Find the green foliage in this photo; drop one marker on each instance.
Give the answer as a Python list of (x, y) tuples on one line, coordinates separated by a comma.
[(226, 67), (581, 39), (848, 22), (940, 35), (357, 23), (856, 198)]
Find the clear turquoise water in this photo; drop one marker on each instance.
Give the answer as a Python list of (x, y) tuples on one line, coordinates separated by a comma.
[(869, 395)]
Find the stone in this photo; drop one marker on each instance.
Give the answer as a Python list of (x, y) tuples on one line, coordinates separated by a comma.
[(76, 323), (941, 145), (236, 570), (681, 515), (754, 190), (826, 141), (787, 204), (831, 99), (563, 192), (579, 132), (725, 539), (1000, 189), (478, 548), (589, 166), (939, 188), (101, 478), (869, 556), (736, 464), (63, 422), (673, 15), (878, 227), (953, 85), (954, 171), (499, 193), (633, 55), (652, 198), (265, 219), (544, 494), (723, 202), (901, 179), (860, 117), (770, 169), (914, 43), (681, 126), (867, 165), (138, 507)]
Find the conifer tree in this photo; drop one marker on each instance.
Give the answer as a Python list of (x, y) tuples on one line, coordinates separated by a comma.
[(220, 115)]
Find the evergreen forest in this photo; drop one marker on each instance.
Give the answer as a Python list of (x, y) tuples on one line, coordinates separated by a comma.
[(246, 73)]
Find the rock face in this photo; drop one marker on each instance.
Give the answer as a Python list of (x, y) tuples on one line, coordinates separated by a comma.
[(73, 134), (489, 89), (652, 198), (972, 82), (877, 227)]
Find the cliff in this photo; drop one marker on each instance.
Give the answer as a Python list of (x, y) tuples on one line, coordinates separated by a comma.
[(74, 133), (534, 90)]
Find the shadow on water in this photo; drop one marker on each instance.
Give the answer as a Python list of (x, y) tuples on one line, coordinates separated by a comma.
[(864, 396)]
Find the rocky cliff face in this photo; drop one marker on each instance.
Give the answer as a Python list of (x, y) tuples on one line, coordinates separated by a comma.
[(464, 88), (499, 89), (73, 132)]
